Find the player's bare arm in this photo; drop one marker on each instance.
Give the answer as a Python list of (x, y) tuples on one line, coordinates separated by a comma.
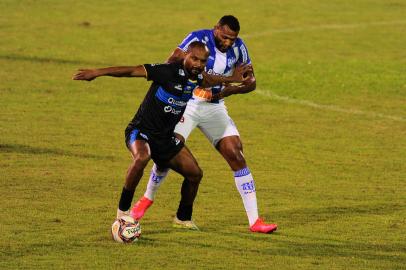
[(176, 56), (123, 71), (237, 77), (248, 85)]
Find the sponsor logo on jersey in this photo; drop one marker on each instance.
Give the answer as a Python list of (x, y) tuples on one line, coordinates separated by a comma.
[(181, 72), (179, 103), (211, 72), (170, 109), (178, 87), (248, 187)]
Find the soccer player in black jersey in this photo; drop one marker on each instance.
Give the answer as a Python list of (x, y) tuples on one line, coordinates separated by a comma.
[(150, 134)]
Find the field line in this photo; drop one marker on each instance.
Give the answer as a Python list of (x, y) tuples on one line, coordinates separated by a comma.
[(322, 27), (327, 107)]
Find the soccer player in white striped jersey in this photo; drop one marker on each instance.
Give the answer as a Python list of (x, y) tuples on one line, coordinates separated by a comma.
[(206, 110)]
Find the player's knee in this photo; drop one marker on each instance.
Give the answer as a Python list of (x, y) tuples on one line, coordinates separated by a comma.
[(199, 174), (196, 175), (234, 155), (141, 160)]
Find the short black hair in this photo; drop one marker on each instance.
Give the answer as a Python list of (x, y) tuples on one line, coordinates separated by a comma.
[(231, 22), (197, 44)]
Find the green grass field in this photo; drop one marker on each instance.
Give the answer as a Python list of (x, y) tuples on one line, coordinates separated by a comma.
[(324, 135)]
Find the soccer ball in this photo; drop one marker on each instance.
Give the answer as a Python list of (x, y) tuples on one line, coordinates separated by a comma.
[(126, 230)]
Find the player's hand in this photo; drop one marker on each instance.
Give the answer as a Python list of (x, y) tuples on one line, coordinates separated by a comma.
[(85, 75), (241, 73)]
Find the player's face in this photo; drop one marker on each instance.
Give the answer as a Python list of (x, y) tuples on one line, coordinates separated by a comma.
[(224, 37), (196, 60)]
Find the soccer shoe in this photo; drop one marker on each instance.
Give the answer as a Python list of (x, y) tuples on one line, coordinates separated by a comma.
[(138, 210), (122, 213), (186, 224), (261, 227)]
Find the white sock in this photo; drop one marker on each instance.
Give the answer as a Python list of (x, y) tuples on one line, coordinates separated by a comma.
[(246, 186), (155, 180)]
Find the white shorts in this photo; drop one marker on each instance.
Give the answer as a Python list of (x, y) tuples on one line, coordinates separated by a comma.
[(211, 118)]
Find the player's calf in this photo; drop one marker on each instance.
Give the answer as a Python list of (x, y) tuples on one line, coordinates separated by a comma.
[(188, 194)]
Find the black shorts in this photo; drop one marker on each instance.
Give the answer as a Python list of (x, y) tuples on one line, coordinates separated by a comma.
[(162, 149)]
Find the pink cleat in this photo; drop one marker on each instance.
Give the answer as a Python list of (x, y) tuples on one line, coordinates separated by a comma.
[(138, 210), (261, 227)]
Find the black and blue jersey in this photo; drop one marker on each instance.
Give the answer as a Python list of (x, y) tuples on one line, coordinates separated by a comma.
[(166, 100)]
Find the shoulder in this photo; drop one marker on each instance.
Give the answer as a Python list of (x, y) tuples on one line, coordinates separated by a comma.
[(178, 69), (176, 65), (241, 47), (157, 66), (241, 51), (201, 35), (158, 72), (239, 42), (201, 32)]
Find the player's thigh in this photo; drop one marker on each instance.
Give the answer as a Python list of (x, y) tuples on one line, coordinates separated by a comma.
[(187, 123), (218, 125), (140, 150), (185, 164)]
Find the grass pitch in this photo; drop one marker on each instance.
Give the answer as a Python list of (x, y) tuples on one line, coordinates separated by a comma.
[(324, 136)]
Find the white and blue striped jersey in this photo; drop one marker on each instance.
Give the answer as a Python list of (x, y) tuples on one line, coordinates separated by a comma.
[(218, 63)]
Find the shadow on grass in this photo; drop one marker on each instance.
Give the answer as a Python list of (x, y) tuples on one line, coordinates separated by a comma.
[(32, 150), (14, 57), (300, 246), (309, 215), (282, 244), (295, 247)]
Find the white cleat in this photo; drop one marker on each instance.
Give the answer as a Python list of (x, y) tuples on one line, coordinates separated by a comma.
[(122, 213), (184, 224)]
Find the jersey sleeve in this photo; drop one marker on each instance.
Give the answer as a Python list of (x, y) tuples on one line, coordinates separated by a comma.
[(244, 57), (194, 36), (160, 73)]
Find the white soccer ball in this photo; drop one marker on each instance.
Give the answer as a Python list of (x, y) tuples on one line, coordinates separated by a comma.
[(126, 230)]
